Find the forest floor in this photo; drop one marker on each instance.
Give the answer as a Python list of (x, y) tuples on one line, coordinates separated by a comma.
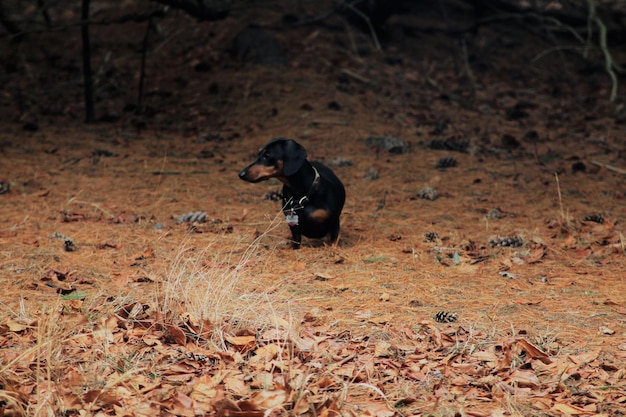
[(503, 296)]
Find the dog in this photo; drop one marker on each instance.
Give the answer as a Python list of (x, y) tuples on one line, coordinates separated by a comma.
[(313, 196)]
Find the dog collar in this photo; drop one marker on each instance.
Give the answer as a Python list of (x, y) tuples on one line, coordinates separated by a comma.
[(293, 205), (313, 189)]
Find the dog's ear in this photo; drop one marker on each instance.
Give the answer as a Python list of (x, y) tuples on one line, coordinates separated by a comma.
[(293, 157)]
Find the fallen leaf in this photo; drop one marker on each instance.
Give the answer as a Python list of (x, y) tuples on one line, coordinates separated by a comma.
[(176, 333), (148, 253), (267, 352), (280, 322), (568, 410), (524, 378), (14, 326), (382, 349), (241, 343), (182, 405), (536, 255), (385, 318), (100, 397), (322, 277), (533, 351), (585, 357), (271, 398), (484, 356), (236, 385)]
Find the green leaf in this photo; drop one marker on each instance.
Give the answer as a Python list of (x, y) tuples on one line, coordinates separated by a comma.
[(373, 259), (75, 296)]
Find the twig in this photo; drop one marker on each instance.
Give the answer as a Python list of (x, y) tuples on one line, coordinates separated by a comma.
[(356, 76), (43, 9), (367, 20), (133, 17), (608, 59), (198, 9), (88, 79), (468, 68), (590, 15), (558, 189), (609, 167), (557, 48), (142, 72)]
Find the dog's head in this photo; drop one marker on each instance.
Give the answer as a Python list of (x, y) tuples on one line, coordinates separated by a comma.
[(279, 158)]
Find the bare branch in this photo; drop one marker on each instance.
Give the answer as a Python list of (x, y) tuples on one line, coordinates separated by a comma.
[(212, 10)]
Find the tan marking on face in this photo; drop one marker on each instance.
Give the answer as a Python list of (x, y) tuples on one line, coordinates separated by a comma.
[(320, 215), (260, 172)]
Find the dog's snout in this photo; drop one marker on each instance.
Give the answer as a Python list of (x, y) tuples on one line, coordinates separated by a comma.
[(242, 174)]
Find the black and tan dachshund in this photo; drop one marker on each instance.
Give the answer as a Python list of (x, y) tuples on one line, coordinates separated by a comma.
[(313, 196)]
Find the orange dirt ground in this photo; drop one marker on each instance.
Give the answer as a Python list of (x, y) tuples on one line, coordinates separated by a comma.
[(110, 306)]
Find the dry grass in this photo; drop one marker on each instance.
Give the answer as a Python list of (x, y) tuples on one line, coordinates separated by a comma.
[(218, 288)]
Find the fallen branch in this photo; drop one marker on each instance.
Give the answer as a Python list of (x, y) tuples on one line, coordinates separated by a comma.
[(351, 6), (609, 167), (608, 58), (142, 71), (133, 17), (356, 76), (212, 10), (87, 75)]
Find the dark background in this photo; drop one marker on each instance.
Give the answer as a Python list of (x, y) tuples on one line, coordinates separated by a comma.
[(170, 64)]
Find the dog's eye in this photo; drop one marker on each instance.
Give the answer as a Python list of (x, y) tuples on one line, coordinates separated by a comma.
[(265, 156)]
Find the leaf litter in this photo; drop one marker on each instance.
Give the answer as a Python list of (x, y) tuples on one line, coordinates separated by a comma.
[(229, 325), (146, 316)]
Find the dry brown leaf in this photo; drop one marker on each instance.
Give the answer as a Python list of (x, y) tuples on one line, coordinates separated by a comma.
[(382, 319), (241, 343), (151, 340), (267, 353), (146, 254), (301, 406), (585, 357), (533, 351), (329, 409), (347, 370), (536, 255), (14, 326), (100, 397), (378, 409), (280, 322), (236, 385), (319, 276), (569, 410), (203, 392), (460, 380), (275, 398), (382, 349), (484, 356), (182, 405), (524, 378), (224, 406), (176, 333), (103, 330)]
